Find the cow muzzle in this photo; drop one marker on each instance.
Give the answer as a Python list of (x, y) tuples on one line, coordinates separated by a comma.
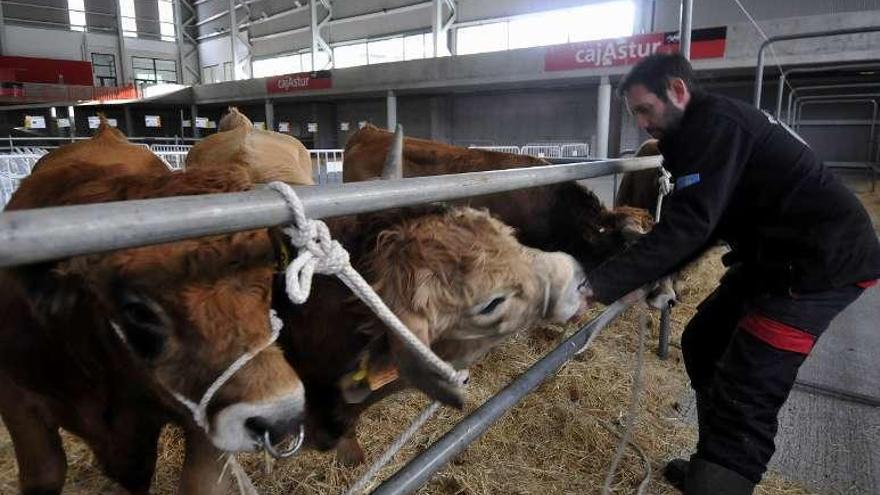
[(563, 276), (252, 426)]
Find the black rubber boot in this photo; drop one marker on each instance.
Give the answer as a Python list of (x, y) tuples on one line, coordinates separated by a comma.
[(676, 472), (706, 478)]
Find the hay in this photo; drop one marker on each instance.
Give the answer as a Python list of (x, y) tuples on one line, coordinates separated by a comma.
[(552, 443)]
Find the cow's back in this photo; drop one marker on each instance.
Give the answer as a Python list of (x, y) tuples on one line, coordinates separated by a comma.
[(640, 189), (269, 155), (366, 150)]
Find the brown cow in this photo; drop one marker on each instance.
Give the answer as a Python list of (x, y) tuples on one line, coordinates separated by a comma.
[(269, 155), (456, 276), (108, 147), (98, 344), (560, 217)]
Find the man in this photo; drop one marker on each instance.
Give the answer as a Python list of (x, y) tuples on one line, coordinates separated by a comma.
[(803, 249)]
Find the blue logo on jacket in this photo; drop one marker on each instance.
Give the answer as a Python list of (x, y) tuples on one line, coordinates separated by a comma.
[(687, 180)]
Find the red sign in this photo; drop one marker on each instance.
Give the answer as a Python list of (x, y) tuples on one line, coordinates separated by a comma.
[(302, 81), (705, 43)]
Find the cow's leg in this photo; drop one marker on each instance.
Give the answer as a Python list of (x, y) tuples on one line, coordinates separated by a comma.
[(348, 451), (127, 450), (42, 464), (202, 467)]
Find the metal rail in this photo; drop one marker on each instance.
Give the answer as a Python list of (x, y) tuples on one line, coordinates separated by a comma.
[(419, 470), (780, 90), (759, 70), (29, 236), (793, 93)]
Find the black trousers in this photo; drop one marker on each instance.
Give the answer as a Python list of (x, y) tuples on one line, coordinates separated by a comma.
[(742, 351)]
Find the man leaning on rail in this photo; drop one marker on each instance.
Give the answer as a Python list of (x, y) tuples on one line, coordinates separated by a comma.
[(802, 249)]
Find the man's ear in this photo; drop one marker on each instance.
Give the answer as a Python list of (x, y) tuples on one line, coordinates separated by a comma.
[(678, 92)]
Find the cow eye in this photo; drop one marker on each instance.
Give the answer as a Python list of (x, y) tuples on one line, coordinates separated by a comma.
[(492, 305), (144, 323)]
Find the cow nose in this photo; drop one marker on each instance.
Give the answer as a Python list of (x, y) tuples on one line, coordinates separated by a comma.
[(278, 429)]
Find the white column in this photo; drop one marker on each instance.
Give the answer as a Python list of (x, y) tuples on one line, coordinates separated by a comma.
[(233, 35), (391, 110), (687, 10), (72, 116), (603, 118), (270, 115), (313, 19)]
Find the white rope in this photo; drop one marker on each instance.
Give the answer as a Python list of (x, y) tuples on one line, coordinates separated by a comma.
[(766, 38), (398, 443), (319, 253), (632, 412), (664, 182)]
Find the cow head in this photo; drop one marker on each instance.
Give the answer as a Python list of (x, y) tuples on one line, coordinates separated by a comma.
[(184, 312), (460, 281)]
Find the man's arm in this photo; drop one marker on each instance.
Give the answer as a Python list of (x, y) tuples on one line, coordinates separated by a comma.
[(712, 166)]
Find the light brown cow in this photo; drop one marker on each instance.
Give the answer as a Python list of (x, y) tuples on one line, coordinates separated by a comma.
[(457, 277), (269, 155), (99, 344)]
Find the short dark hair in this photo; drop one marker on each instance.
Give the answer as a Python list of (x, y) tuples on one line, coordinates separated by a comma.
[(655, 71)]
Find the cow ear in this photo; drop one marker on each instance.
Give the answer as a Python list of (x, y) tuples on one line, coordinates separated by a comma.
[(415, 371), (52, 292)]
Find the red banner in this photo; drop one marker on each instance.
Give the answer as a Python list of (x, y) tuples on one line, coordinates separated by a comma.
[(705, 43), (302, 81)]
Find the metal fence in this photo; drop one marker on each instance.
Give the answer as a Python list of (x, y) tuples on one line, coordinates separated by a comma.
[(543, 150), (29, 236), (13, 168), (327, 166), (174, 155)]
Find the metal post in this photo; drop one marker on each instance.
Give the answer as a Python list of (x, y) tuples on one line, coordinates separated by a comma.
[(779, 91), (436, 24), (313, 19), (419, 470), (28, 236), (270, 115), (178, 30), (233, 34), (123, 55), (391, 110), (759, 71), (2, 31), (603, 117), (129, 121), (72, 116), (194, 112), (182, 115), (684, 31)]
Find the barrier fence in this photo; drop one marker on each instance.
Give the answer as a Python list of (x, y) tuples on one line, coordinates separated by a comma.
[(543, 150), (28, 236)]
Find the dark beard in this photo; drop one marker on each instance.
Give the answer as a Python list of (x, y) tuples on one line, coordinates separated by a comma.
[(672, 118)]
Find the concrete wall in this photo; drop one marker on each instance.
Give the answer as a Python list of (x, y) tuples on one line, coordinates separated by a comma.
[(73, 45)]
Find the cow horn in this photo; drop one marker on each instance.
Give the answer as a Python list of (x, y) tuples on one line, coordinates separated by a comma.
[(393, 168)]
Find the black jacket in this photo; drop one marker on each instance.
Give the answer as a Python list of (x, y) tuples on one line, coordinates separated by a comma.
[(742, 178)]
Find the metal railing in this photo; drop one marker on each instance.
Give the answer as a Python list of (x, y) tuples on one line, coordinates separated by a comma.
[(13, 168), (327, 165), (542, 150)]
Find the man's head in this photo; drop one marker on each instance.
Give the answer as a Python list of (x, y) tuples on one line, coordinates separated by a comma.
[(657, 91)]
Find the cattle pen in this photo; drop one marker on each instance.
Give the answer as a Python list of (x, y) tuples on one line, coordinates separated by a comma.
[(40, 235)]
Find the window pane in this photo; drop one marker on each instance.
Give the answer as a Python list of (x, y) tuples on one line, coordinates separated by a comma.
[(129, 24), (76, 14), (414, 47), (166, 65), (165, 76), (306, 61), (538, 30), (166, 19), (277, 65), (350, 55), (600, 21), (390, 50), (142, 63), (227, 71), (483, 38)]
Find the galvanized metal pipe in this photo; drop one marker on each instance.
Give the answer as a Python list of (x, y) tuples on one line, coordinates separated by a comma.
[(684, 31), (30, 236), (759, 71), (780, 90), (417, 472)]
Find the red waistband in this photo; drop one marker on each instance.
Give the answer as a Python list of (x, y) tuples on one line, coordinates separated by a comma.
[(867, 283), (778, 334)]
